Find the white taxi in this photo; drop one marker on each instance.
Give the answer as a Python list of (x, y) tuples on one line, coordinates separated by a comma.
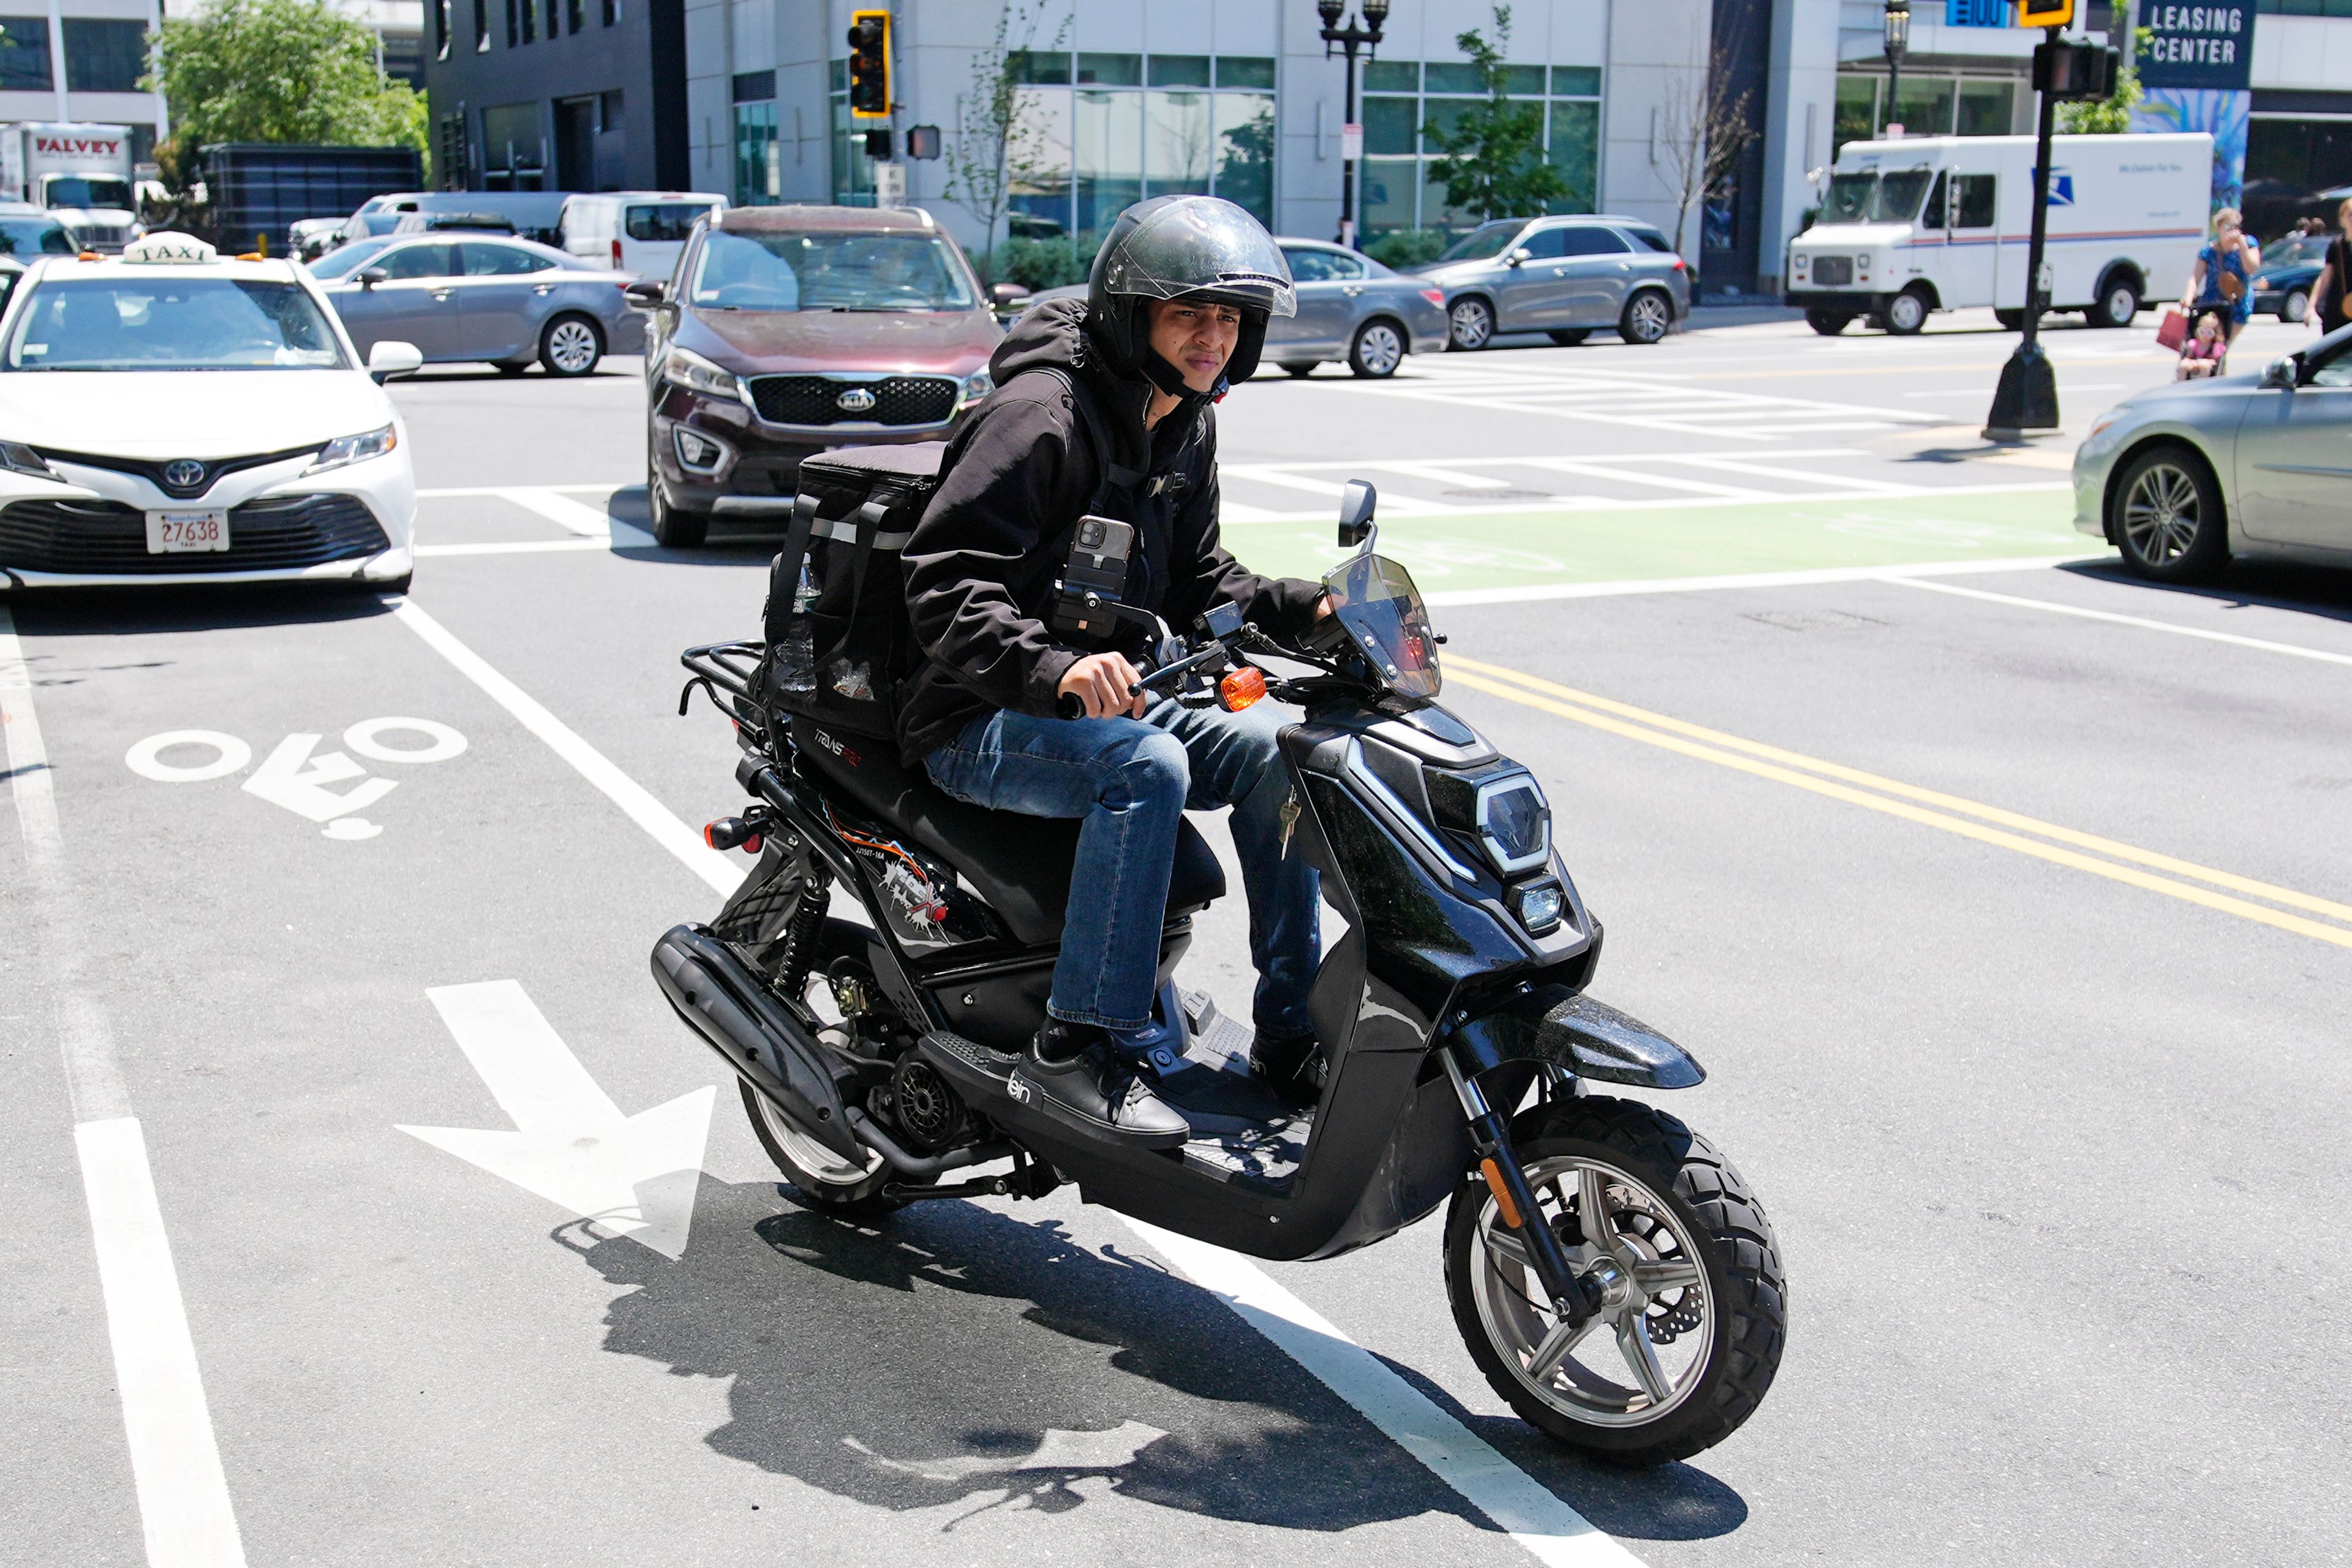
[(172, 415)]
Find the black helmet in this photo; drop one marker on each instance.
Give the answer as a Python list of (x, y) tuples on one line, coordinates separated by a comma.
[(1200, 246)]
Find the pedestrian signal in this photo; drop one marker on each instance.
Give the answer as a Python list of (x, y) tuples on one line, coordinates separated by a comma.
[(2045, 13), (869, 65)]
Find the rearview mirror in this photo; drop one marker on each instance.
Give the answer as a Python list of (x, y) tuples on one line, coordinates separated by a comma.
[(2281, 374), (645, 293), (369, 277), (1519, 257), (1357, 501), (1007, 293), (389, 359)]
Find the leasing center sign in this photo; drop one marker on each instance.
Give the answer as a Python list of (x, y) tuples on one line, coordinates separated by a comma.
[(2196, 46)]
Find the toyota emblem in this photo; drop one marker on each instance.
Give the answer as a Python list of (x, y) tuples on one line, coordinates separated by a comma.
[(857, 400), (185, 475)]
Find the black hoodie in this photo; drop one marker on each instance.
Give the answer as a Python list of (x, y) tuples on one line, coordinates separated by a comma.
[(981, 565)]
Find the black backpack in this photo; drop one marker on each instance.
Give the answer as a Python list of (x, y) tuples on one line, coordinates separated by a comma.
[(856, 509)]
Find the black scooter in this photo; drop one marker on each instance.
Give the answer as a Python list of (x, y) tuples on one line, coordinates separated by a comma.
[(1613, 1276)]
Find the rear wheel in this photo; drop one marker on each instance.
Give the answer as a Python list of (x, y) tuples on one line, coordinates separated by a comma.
[(2118, 304), (2011, 320), (1568, 337), (2296, 306), (2168, 516), (1906, 313), (1690, 1334), (826, 1180), (1377, 351), (1829, 323), (1649, 317), (1469, 324), (570, 345), (1293, 368)]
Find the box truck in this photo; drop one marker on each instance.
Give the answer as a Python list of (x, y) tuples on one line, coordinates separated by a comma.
[(80, 174), (1942, 223)]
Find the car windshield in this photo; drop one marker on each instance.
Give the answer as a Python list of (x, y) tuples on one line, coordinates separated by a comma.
[(1867, 197), (1376, 601), (35, 236), (163, 321), (1481, 244), (828, 271), (87, 191), (2301, 250), (345, 259)]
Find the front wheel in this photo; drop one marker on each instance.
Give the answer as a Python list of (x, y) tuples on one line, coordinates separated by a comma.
[(570, 345), (2296, 306), (1906, 313), (1377, 351), (1469, 325), (1649, 317), (1694, 1312), (2168, 518)]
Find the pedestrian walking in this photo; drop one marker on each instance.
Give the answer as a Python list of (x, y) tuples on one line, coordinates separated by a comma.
[(2222, 280), (2328, 291)]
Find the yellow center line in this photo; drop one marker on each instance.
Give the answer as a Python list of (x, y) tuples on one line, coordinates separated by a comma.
[(1670, 735)]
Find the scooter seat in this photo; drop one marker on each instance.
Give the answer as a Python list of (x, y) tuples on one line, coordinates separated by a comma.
[(1020, 866)]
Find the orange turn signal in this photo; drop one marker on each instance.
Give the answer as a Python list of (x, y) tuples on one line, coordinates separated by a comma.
[(1242, 688), (1493, 1174), (90, 256)]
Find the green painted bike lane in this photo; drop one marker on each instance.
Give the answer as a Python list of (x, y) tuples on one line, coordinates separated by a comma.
[(1704, 539)]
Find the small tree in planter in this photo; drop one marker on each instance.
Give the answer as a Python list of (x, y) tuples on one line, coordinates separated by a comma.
[(1493, 161), (992, 149)]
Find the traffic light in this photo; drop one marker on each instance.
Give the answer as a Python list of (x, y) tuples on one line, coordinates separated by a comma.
[(2045, 13), (2072, 70), (869, 65)]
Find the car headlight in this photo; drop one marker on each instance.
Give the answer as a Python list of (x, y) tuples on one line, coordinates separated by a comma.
[(977, 385), (691, 370), (357, 448), (18, 457)]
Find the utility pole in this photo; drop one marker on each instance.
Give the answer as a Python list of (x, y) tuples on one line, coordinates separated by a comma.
[(1349, 39)]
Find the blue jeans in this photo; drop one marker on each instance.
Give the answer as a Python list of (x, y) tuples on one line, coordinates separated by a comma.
[(1132, 780)]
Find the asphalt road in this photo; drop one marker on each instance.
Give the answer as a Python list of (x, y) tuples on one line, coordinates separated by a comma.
[(2003, 896)]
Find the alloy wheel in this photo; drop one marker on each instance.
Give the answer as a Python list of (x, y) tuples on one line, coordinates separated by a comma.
[(1646, 1350), (1471, 322), (571, 347), (2161, 514), (1648, 318), (812, 1158), (1379, 350)]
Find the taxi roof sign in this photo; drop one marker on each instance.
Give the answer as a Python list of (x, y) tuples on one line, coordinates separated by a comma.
[(168, 249)]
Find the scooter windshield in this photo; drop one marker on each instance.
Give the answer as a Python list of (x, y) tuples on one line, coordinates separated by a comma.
[(1374, 598)]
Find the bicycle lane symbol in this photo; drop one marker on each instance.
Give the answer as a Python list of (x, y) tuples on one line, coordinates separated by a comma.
[(295, 775)]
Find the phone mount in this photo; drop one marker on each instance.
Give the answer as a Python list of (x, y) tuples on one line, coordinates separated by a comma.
[(1092, 589)]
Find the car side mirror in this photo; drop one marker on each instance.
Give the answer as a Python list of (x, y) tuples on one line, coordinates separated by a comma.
[(2281, 374), (389, 359), (1358, 501), (369, 277), (1519, 258), (1007, 293), (645, 293)]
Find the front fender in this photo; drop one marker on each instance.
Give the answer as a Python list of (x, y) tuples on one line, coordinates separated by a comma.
[(1566, 1029)]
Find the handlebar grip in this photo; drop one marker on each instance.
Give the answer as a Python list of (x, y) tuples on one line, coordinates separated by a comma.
[(1068, 706)]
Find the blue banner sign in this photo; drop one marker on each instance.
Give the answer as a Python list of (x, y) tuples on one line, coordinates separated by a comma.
[(1976, 12), (2198, 45)]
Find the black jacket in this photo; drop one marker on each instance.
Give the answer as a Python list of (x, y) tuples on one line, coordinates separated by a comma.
[(983, 561)]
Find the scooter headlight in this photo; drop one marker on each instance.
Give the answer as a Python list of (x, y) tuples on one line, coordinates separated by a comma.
[(1514, 824), (1538, 906)]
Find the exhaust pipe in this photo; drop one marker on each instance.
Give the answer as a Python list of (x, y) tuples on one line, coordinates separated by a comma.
[(729, 1007)]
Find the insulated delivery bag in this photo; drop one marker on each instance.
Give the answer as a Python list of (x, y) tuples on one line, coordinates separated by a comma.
[(839, 641)]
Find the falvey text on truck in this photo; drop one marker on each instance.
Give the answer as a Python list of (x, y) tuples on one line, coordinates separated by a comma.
[(81, 174)]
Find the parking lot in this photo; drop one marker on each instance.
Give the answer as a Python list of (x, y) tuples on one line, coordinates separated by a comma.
[(2004, 898)]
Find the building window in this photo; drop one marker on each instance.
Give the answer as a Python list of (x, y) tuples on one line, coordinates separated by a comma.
[(612, 12), (1116, 128), (852, 171), (440, 29), (454, 160), (1406, 100), (759, 163), (105, 56), (402, 55), (575, 14), (481, 27), (1929, 106), (25, 53), (529, 21), (612, 111), (554, 21), (514, 33), (514, 149)]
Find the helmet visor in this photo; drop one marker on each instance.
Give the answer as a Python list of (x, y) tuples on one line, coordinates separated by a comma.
[(1201, 245)]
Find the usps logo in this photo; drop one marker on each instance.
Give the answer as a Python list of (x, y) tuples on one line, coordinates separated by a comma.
[(2061, 188)]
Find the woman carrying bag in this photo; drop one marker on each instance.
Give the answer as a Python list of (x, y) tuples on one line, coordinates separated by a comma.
[(2221, 278), (2327, 293)]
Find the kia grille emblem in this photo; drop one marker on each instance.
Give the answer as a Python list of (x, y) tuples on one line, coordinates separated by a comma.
[(185, 475), (857, 400)]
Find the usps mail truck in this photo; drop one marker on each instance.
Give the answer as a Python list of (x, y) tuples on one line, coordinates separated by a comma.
[(1942, 223), (81, 174)]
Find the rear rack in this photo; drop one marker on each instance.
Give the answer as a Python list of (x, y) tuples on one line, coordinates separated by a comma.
[(724, 671)]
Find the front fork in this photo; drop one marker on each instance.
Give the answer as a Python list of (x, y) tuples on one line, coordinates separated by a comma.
[(1574, 1298)]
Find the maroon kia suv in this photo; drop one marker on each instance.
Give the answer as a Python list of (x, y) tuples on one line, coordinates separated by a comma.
[(788, 330)]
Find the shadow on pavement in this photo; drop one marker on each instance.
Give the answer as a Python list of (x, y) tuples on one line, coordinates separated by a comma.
[(198, 608), (952, 1355), (730, 543), (2312, 589)]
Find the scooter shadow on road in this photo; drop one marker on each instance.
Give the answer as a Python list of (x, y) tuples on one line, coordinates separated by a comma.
[(955, 1356), (203, 607)]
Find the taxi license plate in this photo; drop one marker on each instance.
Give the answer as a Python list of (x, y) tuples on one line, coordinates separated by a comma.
[(171, 533)]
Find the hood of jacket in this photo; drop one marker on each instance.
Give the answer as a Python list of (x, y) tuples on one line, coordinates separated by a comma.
[(1055, 335)]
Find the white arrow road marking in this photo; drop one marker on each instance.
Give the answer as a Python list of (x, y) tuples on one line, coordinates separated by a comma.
[(292, 777), (634, 1176)]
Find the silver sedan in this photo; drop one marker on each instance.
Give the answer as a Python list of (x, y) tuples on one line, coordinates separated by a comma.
[(2182, 477), (506, 301), (1351, 309)]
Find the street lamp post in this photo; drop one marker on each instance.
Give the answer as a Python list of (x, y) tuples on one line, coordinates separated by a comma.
[(2026, 397), (1897, 23), (1349, 39)]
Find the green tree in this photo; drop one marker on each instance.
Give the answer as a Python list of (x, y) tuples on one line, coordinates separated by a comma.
[(280, 70), (1493, 155), (2107, 116), (997, 149)]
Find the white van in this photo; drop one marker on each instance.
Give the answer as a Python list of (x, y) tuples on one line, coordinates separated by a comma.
[(634, 231), (1941, 223)]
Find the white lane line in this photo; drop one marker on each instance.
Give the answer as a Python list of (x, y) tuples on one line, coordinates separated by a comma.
[(451, 492), (1565, 505), (183, 1501), (513, 547), (1552, 1532), (175, 1469), (1899, 575), (1541, 591), (588, 521), (1438, 474), (633, 799), (1348, 465), (1588, 469), (1749, 466)]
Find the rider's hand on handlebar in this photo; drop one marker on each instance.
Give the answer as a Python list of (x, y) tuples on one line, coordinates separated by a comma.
[(1099, 682)]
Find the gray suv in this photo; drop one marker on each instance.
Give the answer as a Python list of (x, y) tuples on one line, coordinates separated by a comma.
[(1569, 277)]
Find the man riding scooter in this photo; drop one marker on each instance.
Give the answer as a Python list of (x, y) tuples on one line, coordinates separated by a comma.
[(1104, 410)]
